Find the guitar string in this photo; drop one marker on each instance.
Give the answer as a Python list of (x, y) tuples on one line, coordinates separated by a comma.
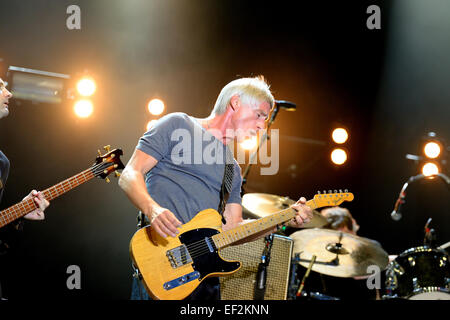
[(196, 249), (200, 247), (95, 169)]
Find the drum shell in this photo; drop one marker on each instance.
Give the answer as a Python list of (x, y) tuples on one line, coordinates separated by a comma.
[(419, 271)]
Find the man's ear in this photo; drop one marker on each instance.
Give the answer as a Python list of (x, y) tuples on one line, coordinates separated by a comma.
[(235, 102)]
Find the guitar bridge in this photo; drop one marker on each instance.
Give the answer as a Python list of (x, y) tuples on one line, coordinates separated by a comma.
[(178, 256)]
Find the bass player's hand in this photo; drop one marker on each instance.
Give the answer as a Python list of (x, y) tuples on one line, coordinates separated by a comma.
[(41, 203)]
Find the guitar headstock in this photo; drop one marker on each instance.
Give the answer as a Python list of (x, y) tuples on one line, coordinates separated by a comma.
[(334, 198), (107, 163)]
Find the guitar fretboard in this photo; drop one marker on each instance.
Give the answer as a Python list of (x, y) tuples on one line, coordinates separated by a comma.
[(26, 206), (245, 230)]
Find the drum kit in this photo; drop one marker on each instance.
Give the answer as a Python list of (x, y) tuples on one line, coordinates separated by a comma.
[(420, 273)]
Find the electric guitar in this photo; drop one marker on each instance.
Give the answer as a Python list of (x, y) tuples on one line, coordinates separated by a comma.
[(104, 165), (173, 267)]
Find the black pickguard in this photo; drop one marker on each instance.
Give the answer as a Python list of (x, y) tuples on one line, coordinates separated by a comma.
[(204, 261)]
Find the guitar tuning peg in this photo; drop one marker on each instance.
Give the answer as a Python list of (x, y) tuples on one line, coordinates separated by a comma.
[(99, 153), (334, 191), (117, 174), (318, 192), (329, 191), (340, 190), (107, 148), (345, 190), (107, 180), (324, 191)]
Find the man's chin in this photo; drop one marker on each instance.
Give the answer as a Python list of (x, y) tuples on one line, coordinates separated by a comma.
[(4, 113)]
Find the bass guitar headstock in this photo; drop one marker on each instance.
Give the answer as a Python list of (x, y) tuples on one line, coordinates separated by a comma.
[(108, 163)]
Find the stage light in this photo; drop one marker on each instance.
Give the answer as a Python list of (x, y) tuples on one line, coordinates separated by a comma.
[(432, 149), (86, 87), (249, 143), (156, 107), (432, 155), (339, 135), (338, 156), (150, 124), (37, 85), (430, 169), (83, 108)]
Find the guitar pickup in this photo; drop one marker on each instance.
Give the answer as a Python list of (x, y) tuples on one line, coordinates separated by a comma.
[(178, 256)]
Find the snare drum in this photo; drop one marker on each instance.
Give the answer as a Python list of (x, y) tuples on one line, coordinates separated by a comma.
[(421, 273)]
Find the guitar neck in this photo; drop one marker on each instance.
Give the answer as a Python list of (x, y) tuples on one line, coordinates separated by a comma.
[(245, 230), (26, 206)]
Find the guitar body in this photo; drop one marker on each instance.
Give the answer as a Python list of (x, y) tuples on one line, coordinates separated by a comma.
[(172, 268)]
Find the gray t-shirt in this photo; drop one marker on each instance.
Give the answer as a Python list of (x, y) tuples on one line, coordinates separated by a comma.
[(190, 169)]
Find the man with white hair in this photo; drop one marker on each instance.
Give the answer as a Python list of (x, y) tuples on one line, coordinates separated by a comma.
[(170, 184)]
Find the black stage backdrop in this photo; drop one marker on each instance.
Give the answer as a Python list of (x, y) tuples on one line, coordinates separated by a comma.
[(388, 86)]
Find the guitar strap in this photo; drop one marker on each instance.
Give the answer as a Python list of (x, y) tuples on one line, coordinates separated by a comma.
[(227, 183)]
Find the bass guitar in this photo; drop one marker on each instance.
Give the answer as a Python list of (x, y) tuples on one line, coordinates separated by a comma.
[(104, 165)]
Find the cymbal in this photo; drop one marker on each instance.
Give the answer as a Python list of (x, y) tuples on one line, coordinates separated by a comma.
[(260, 205), (338, 253)]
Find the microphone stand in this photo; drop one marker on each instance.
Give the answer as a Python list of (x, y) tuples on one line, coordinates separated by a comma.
[(396, 215), (430, 236)]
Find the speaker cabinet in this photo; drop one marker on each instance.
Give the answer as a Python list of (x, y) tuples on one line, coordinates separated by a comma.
[(241, 285)]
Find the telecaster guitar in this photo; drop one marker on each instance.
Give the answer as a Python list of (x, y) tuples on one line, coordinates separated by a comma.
[(104, 165), (173, 267)]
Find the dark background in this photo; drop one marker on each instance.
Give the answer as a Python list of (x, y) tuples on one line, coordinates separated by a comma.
[(389, 87)]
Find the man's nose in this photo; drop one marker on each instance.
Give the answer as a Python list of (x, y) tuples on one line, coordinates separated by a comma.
[(261, 125), (8, 94)]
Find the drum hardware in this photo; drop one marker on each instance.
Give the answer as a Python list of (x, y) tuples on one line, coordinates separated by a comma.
[(302, 284), (318, 296), (444, 246), (293, 281), (430, 235), (338, 254)]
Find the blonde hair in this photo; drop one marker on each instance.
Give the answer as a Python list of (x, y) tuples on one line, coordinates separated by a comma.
[(250, 90)]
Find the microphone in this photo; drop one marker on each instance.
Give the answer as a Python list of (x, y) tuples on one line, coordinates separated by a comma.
[(396, 214), (287, 105), (261, 276), (430, 235)]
